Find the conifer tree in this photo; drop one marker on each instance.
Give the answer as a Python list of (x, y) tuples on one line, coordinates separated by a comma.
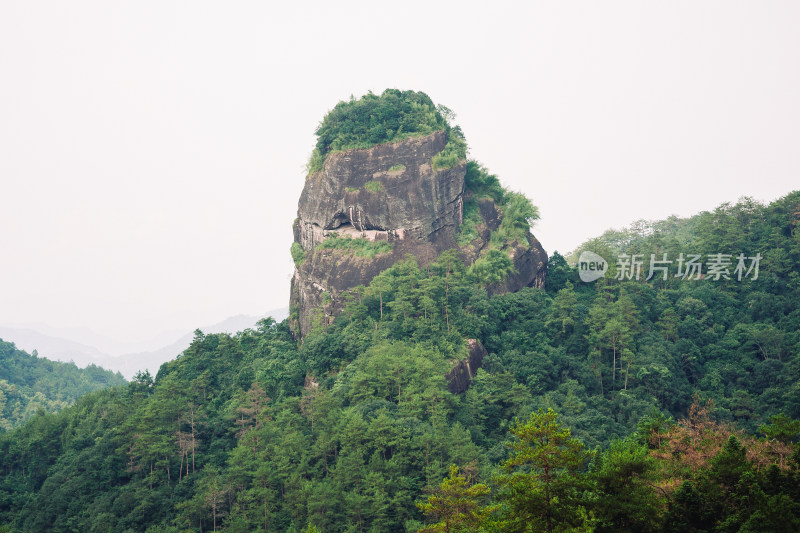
[(543, 480)]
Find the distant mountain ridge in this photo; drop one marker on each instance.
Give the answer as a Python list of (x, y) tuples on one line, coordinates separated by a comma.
[(31, 384), (45, 340)]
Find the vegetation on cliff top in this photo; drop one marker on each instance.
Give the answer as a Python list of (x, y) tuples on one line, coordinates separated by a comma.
[(393, 116), (396, 115)]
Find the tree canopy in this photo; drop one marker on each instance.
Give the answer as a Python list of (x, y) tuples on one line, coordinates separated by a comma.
[(30, 384), (620, 404), (393, 115)]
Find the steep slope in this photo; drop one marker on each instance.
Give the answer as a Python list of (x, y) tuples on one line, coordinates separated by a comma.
[(347, 430), (365, 209)]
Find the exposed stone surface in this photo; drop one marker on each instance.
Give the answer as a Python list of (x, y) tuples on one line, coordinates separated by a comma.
[(357, 191), (530, 263), (529, 258), (389, 192), (459, 377)]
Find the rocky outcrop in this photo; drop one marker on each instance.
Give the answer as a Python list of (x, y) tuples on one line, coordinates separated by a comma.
[(391, 193), (459, 377), (530, 265), (529, 258), (387, 192)]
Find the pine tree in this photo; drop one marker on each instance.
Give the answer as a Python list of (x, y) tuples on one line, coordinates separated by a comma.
[(543, 478), (457, 505)]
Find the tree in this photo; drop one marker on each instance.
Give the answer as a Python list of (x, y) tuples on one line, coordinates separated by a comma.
[(492, 268), (614, 326), (542, 480), (213, 492), (668, 324), (562, 313), (457, 505), (626, 500), (519, 214), (781, 428), (768, 339), (559, 273)]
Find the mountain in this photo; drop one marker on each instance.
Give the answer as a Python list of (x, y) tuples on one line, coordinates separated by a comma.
[(102, 343), (30, 384), (378, 197), (130, 364), (54, 348), (435, 399), (41, 338)]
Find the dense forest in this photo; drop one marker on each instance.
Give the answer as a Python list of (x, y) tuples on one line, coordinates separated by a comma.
[(624, 404), (30, 384), (664, 395)]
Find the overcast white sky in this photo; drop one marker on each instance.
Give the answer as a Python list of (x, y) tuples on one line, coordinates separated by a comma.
[(152, 152)]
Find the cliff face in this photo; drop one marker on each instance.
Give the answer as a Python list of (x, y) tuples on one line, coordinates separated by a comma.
[(460, 376), (388, 193)]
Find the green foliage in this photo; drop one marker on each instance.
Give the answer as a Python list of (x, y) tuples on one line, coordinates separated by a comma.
[(781, 428), (613, 326), (559, 273), (518, 216), (454, 151), (517, 212), (731, 339), (315, 162), (624, 475), (30, 384), (541, 484), (481, 184), (492, 268), (357, 246), (468, 231), (374, 186), (349, 430), (730, 494), (457, 505), (298, 255), (397, 168), (393, 116), (373, 119)]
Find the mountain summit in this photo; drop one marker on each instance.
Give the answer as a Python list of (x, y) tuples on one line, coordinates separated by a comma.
[(389, 177)]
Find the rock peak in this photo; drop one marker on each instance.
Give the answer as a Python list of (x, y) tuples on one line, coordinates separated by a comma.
[(365, 209), (388, 192)]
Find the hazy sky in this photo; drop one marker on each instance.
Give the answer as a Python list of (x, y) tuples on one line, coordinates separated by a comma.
[(152, 152)]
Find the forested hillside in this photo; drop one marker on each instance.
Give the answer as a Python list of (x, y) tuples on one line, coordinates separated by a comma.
[(29, 384), (729, 321), (620, 404)]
